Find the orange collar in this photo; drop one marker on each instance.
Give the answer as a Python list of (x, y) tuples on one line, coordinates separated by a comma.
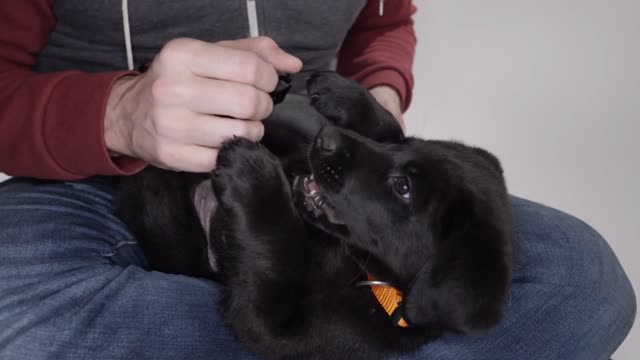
[(389, 298)]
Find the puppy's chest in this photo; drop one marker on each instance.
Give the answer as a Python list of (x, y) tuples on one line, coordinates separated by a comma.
[(333, 277)]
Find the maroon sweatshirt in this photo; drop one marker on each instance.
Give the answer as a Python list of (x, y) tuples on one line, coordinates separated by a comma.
[(54, 86)]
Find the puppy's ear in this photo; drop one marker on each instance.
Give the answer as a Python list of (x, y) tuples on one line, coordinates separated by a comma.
[(464, 289), (349, 105), (493, 161)]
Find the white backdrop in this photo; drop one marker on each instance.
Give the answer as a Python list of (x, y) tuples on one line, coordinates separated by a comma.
[(553, 88)]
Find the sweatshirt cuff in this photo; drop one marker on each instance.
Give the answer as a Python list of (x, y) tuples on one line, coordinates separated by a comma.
[(75, 134), (391, 78)]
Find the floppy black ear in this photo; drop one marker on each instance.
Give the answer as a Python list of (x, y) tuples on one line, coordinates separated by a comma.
[(465, 287), (349, 105), (495, 163)]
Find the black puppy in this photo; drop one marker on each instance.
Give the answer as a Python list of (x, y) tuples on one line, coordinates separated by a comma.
[(293, 235)]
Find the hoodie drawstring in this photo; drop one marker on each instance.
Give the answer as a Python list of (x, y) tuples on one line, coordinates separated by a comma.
[(252, 15), (251, 12), (127, 33)]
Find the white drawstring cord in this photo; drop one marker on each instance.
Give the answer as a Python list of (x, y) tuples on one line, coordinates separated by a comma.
[(253, 25), (252, 13), (127, 33)]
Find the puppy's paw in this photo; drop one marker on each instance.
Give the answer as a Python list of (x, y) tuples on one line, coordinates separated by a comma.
[(336, 98), (246, 173), (349, 105)]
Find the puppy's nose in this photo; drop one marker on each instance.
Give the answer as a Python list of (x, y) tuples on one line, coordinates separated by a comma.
[(326, 144), (328, 140)]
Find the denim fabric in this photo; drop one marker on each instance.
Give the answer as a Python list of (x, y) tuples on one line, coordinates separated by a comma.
[(74, 285)]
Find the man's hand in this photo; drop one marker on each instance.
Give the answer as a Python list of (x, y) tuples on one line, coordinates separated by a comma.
[(389, 99), (195, 96)]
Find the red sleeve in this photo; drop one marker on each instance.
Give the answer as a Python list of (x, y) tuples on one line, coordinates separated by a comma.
[(379, 50), (51, 125)]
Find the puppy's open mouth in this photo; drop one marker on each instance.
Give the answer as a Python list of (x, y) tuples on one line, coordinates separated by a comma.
[(311, 200), (314, 200)]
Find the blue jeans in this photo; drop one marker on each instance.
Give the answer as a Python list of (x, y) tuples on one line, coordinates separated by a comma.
[(74, 285)]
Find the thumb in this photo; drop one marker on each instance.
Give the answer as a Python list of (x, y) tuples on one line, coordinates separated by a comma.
[(268, 51)]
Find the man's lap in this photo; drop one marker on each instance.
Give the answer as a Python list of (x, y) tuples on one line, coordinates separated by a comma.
[(74, 284)]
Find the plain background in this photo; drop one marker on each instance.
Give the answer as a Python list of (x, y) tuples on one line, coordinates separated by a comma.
[(553, 88)]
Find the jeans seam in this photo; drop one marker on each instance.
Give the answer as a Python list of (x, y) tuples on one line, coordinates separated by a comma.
[(115, 248)]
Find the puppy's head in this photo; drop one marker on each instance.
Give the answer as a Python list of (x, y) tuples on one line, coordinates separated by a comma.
[(431, 217)]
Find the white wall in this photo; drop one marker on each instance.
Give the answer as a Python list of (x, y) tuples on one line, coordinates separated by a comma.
[(553, 88)]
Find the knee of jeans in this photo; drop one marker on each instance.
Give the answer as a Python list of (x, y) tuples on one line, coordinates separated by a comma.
[(554, 247), (629, 305), (563, 254), (587, 262)]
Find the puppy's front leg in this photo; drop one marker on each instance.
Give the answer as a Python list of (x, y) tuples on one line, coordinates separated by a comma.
[(260, 242), (349, 105)]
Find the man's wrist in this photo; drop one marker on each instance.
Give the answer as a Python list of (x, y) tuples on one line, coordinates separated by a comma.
[(115, 132), (389, 98)]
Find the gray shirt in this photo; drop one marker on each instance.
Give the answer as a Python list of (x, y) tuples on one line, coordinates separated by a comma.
[(89, 36)]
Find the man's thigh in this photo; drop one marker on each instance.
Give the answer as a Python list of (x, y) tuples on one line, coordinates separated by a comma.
[(73, 284), (570, 298)]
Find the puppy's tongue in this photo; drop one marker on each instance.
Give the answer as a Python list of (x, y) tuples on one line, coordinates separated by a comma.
[(310, 185), (316, 202)]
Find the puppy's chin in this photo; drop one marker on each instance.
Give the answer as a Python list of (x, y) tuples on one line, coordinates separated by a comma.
[(314, 207)]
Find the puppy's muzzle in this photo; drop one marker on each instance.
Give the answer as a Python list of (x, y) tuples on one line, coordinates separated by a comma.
[(329, 158)]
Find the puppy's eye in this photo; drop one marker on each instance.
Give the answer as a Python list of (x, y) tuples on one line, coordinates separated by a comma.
[(401, 187)]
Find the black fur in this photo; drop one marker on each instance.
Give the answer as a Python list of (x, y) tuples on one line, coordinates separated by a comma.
[(288, 262)]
